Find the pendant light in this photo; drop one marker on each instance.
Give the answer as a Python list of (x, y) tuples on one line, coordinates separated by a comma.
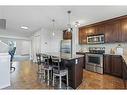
[(77, 24), (69, 29), (53, 23)]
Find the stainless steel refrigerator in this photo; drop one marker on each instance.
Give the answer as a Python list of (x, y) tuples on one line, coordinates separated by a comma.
[(66, 46)]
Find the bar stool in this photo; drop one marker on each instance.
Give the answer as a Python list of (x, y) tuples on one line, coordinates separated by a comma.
[(40, 61), (47, 68), (58, 72)]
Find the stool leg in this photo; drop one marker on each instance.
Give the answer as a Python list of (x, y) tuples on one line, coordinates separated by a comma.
[(53, 79), (51, 74), (67, 79), (44, 74), (48, 77), (60, 81)]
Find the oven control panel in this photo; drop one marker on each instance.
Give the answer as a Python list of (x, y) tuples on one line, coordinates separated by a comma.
[(97, 50)]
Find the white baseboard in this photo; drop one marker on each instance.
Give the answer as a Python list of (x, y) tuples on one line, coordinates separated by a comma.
[(4, 86)]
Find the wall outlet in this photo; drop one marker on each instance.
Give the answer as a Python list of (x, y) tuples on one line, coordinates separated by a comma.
[(76, 61)]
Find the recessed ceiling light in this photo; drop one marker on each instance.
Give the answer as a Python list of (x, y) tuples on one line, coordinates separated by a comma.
[(24, 27)]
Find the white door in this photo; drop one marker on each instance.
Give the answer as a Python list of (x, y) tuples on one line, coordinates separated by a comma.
[(36, 46)]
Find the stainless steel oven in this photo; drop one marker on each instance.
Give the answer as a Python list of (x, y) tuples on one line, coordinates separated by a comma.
[(94, 62)]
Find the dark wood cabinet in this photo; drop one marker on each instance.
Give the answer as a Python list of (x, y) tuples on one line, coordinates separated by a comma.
[(115, 30), (100, 29), (112, 31), (124, 30), (75, 71), (116, 65), (80, 36), (83, 36), (107, 64), (67, 35), (113, 65), (124, 73), (91, 30), (84, 61)]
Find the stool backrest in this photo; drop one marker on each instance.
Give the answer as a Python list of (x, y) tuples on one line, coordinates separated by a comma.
[(56, 64), (46, 60), (38, 57)]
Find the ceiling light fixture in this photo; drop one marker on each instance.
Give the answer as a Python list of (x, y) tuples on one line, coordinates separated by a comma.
[(69, 29), (77, 24), (53, 23), (24, 27)]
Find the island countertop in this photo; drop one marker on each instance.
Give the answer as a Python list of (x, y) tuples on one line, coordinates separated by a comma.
[(64, 55)]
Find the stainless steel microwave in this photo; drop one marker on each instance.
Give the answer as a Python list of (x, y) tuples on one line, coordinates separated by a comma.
[(97, 39)]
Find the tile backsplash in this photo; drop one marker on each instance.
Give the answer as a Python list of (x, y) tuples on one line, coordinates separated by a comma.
[(108, 47)]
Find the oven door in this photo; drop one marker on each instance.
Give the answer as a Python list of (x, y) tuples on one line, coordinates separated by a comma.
[(94, 59)]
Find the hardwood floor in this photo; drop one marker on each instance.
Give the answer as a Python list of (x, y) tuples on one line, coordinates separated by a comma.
[(25, 77), (97, 81)]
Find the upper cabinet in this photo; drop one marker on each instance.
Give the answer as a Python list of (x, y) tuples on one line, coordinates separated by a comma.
[(91, 30), (83, 36), (100, 29), (124, 30), (67, 35), (114, 30)]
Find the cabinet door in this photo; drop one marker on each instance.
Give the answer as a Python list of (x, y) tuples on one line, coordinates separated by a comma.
[(82, 36), (91, 30), (84, 61), (100, 29), (112, 31), (64, 35), (124, 66), (124, 30), (107, 64), (116, 65), (116, 31), (67, 35)]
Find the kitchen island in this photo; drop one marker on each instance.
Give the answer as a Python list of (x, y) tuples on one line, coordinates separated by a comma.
[(74, 63)]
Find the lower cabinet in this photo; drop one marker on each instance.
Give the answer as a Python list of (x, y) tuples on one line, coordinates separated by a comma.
[(81, 53), (107, 64), (113, 65), (75, 71), (116, 65)]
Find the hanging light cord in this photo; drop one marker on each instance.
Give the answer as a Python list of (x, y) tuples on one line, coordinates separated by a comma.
[(69, 25), (53, 21)]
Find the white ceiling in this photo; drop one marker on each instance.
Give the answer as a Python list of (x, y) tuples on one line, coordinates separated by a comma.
[(36, 17)]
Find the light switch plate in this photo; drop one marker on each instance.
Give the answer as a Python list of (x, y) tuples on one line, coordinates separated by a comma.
[(76, 61)]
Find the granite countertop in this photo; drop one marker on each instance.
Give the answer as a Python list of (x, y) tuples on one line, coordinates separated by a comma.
[(64, 55)]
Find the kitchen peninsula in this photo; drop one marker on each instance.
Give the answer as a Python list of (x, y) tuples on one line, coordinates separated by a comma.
[(74, 63)]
